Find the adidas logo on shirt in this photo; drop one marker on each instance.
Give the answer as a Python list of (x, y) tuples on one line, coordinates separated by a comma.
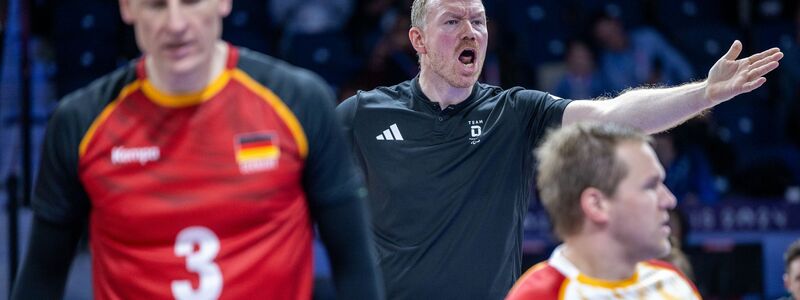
[(391, 134)]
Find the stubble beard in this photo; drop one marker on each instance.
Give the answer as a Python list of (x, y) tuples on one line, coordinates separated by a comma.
[(450, 73)]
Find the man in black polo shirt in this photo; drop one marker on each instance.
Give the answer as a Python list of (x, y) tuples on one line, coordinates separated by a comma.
[(448, 161)]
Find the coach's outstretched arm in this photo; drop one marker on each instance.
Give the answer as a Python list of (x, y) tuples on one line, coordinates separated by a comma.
[(658, 109)]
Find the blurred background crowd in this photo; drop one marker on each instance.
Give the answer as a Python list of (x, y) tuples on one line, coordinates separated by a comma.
[(744, 151)]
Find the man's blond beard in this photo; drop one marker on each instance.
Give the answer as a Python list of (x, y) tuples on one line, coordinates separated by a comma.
[(441, 70)]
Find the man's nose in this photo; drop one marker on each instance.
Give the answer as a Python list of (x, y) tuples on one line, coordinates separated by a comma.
[(469, 32), (176, 17), (667, 198)]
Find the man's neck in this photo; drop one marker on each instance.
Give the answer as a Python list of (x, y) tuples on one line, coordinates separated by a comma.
[(599, 259), (438, 90), (188, 82)]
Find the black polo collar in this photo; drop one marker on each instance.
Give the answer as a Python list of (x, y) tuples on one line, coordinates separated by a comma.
[(434, 106)]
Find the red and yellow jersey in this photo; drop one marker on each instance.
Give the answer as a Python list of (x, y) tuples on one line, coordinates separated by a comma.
[(196, 196), (558, 278)]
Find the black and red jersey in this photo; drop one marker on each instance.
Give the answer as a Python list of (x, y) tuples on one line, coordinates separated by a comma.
[(197, 195)]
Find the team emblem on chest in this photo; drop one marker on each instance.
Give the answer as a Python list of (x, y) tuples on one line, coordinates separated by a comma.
[(124, 155), (256, 151), (475, 131)]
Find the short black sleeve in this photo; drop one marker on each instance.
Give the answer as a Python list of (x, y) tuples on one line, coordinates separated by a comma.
[(538, 111), (346, 111)]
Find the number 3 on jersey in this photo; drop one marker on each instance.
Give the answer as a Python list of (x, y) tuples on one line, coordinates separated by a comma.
[(200, 261)]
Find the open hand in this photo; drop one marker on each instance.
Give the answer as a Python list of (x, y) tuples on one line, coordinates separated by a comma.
[(730, 77)]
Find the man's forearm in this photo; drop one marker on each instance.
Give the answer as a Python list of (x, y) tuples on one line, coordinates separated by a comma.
[(49, 254), (656, 110), (344, 231), (650, 109)]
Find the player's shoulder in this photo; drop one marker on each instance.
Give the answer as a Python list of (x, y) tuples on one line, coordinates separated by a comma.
[(542, 281), (492, 90), (398, 96), (277, 75), (515, 93), (395, 94), (664, 267), (90, 100)]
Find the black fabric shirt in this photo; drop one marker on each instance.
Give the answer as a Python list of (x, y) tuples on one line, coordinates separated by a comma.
[(448, 188)]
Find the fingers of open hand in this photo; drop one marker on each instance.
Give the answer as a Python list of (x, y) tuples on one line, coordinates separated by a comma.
[(752, 85), (761, 70), (773, 54), (774, 58), (734, 51)]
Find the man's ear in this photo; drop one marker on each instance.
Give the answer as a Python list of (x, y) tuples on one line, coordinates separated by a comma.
[(594, 205), (415, 35), (786, 281), (224, 7), (125, 11)]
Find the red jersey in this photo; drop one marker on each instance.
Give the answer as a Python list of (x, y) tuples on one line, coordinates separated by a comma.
[(197, 196)]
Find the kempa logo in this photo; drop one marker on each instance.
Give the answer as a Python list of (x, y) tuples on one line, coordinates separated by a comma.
[(391, 134), (142, 155)]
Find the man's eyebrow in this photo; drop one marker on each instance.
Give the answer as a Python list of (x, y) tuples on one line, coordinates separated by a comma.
[(450, 14)]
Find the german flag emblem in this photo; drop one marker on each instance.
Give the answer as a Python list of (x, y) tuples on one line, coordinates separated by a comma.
[(257, 151)]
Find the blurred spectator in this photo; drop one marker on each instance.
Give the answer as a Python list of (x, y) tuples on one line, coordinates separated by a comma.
[(89, 39), (372, 19), (689, 174), (249, 25), (491, 66), (630, 59), (392, 60), (581, 80), (310, 16)]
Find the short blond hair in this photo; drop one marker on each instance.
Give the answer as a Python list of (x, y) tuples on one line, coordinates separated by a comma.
[(574, 158), (418, 11)]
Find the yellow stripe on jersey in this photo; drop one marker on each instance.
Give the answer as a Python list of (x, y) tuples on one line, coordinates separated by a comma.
[(608, 284), (188, 99), (127, 90), (268, 152), (283, 111), (562, 291)]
